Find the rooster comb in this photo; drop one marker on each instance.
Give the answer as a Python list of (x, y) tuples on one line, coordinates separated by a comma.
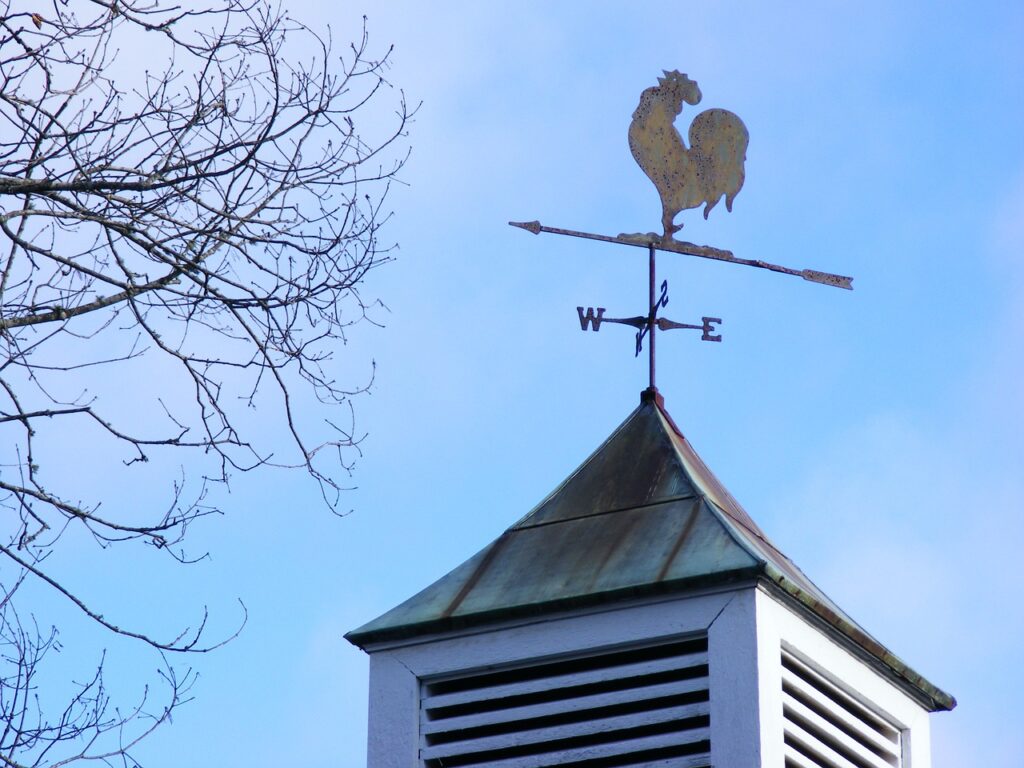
[(675, 77)]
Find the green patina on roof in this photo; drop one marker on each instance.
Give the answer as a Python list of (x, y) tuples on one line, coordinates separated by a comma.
[(642, 515)]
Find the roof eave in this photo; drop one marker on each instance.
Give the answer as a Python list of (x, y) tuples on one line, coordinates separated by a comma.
[(930, 696), (612, 598)]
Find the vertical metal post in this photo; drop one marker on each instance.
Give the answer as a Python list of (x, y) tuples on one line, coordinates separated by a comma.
[(650, 312)]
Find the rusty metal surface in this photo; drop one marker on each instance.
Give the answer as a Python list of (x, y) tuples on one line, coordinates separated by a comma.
[(638, 240), (691, 249), (707, 326), (642, 515), (687, 177)]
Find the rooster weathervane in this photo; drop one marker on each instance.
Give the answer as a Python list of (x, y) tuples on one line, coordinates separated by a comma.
[(686, 177)]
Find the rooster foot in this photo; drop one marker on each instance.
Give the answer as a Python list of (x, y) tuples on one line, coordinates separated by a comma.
[(640, 237)]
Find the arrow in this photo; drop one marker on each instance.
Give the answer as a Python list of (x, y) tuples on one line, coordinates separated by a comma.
[(691, 249)]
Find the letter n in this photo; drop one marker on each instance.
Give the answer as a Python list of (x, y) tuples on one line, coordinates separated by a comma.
[(590, 318)]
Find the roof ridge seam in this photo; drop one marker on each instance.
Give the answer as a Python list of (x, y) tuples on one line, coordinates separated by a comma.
[(578, 469), (730, 526), (602, 513), (759, 535)]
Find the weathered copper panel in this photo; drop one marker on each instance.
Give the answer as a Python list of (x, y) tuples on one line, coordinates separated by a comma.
[(636, 466), (642, 515), (586, 556)]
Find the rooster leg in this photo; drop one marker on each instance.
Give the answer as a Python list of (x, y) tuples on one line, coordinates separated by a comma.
[(666, 222)]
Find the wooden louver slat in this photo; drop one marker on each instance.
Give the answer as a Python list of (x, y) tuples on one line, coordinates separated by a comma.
[(583, 702), (827, 726), (798, 689), (490, 693), (795, 759), (636, 707)]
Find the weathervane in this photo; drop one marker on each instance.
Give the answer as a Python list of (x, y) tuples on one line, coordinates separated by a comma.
[(712, 167)]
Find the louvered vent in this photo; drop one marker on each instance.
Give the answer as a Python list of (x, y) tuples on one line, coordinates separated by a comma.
[(638, 707), (826, 727)]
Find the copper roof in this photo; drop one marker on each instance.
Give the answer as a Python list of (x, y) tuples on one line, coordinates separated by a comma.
[(642, 515)]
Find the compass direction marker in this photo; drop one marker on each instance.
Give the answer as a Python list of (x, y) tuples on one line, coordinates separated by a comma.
[(708, 326), (592, 318)]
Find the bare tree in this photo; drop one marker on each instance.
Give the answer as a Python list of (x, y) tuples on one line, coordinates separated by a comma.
[(185, 203), (84, 725)]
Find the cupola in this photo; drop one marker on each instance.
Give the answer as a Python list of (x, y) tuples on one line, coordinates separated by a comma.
[(637, 616)]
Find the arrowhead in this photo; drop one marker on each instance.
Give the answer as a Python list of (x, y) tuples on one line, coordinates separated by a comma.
[(529, 226)]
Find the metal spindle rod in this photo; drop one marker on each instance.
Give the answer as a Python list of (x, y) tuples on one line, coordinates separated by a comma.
[(651, 313)]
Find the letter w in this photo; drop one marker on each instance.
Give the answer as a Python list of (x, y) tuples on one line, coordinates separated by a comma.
[(590, 318)]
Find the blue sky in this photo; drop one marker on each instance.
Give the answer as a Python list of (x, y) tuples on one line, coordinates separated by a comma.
[(875, 435)]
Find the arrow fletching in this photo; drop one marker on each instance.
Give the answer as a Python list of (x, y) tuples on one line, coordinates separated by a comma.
[(827, 278)]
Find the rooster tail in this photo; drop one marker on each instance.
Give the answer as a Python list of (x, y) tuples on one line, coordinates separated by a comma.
[(719, 139)]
